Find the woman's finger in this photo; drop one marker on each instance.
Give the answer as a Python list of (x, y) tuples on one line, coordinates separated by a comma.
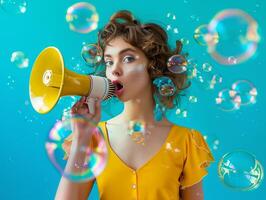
[(98, 110), (80, 106)]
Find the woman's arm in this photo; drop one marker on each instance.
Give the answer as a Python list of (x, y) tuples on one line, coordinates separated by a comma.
[(193, 192), (68, 190), (80, 138)]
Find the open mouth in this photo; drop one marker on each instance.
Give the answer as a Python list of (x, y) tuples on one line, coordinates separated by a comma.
[(118, 88)]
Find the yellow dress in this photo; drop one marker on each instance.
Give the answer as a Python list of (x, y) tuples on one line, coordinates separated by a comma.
[(180, 163)]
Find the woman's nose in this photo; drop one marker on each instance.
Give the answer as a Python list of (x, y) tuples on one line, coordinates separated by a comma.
[(116, 71)]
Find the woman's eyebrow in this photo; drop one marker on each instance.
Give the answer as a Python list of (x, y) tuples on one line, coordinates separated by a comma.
[(121, 52)]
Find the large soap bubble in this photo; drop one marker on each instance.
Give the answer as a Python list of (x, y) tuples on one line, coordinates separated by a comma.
[(238, 37), (240, 170)]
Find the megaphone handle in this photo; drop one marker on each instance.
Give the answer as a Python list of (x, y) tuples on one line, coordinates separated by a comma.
[(91, 104)]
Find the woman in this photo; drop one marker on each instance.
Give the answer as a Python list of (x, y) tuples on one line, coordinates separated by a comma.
[(172, 161)]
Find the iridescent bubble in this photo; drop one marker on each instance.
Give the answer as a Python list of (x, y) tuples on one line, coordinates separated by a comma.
[(245, 91), (191, 72), (227, 100), (184, 41), (171, 16), (91, 54), (213, 141), (204, 36), (82, 17), (58, 146), (177, 64), (14, 6), (171, 25), (216, 79), (238, 37), (193, 99), (181, 113), (240, 170), (137, 131), (207, 67), (10, 82), (207, 78), (192, 62), (165, 86), (174, 30), (20, 59)]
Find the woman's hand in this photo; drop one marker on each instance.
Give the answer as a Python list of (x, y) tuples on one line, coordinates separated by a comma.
[(83, 123)]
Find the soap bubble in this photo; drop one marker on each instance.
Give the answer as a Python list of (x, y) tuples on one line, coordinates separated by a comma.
[(204, 36), (184, 41), (171, 26), (165, 86), (137, 131), (14, 6), (227, 100), (246, 91), (207, 78), (20, 59), (82, 17), (193, 99), (213, 141), (177, 64), (183, 113), (58, 146), (240, 170), (238, 37), (91, 54), (207, 67)]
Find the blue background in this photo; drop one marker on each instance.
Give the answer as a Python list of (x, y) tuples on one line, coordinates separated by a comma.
[(25, 170)]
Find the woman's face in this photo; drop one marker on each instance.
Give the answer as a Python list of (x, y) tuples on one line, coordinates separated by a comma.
[(127, 65)]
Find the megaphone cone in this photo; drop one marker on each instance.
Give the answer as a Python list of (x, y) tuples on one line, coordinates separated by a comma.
[(49, 80)]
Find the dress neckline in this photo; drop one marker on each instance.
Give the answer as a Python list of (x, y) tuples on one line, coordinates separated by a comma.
[(149, 160)]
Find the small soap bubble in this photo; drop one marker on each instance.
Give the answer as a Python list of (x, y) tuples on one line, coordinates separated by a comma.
[(20, 59), (14, 6), (227, 100), (91, 54), (246, 92), (207, 67), (177, 64)]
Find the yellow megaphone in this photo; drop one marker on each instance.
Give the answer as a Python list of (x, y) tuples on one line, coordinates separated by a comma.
[(50, 80)]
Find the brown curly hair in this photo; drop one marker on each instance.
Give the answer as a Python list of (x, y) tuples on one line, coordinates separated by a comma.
[(152, 40)]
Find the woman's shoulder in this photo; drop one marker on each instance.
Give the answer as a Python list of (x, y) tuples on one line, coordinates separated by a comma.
[(187, 134)]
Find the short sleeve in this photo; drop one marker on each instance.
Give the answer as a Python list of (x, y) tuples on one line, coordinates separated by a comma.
[(197, 159)]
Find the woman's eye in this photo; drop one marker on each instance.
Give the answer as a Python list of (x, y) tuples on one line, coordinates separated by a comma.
[(128, 59), (108, 63)]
